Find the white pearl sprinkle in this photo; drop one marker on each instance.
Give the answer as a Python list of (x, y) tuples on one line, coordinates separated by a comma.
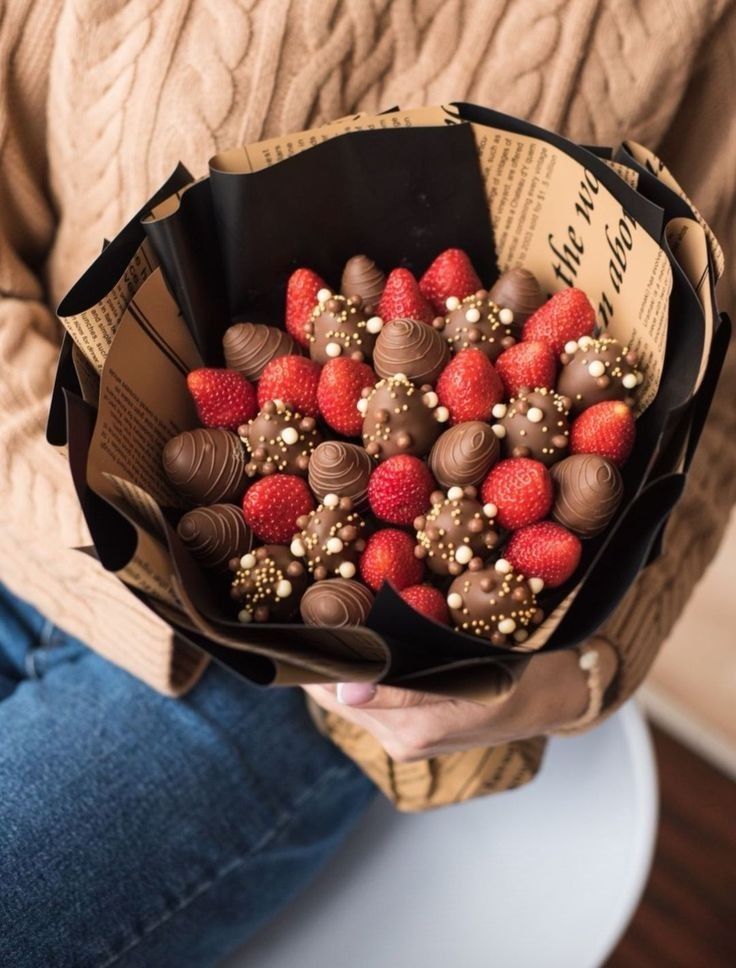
[(401, 377), (571, 346), (506, 316), (331, 500), (506, 626), (452, 303), (374, 325), (630, 381), (333, 350), (597, 368), (455, 600), (297, 548), (431, 399), (502, 566), (585, 342), (472, 315), (639, 377), (362, 405), (248, 561), (442, 414), (323, 295), (463, 554), (245, 616), (334, 546), (490, 510), (536, 585), (290, 435), (499, 430), (455, 493), (346, 569), (588, 660), (534, 415), (283, 589), (499, 411)]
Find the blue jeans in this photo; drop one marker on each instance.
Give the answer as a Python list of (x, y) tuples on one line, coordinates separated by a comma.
[(137, 830)]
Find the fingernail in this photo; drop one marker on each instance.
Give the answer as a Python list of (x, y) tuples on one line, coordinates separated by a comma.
[(355, 693)]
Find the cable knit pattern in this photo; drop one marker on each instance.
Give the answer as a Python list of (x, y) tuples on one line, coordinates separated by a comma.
[(100, 98)]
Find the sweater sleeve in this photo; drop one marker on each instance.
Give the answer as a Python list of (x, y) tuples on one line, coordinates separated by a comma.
[(40, 516)]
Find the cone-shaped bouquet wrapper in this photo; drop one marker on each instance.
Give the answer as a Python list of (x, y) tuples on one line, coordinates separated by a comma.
[(401, 187)]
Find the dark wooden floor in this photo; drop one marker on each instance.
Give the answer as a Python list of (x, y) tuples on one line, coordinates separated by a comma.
[(687, 918)]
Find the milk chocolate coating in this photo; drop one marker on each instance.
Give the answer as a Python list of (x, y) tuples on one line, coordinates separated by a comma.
[(337, 603), (586, 388), (518, 290), (546, 438), (215, 535), (362, 277), (400, 418), (463, 331), (410, 347), (464, 454), (588, 491), (206, 466), (338, 327), (270, 587), (454, 531), (343, 469), (330, 540), (267, 438), (488, 602), (249, 347)]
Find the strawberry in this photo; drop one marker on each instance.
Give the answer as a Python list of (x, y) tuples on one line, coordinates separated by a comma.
[(301, 298), (545, 550), (469, 386), (567, 316), (606, 429), (294, 380), (272, 505), (338, 392), (451, 274), (223, 398), (531, 365), (521, 489), (389, 556), (399, 489), (401, 299), (428, 601)]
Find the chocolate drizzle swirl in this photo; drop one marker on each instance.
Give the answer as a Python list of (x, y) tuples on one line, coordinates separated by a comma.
[(589, 489), (336, 602), (362, 277), (343, 469), (249, 347), (410, 347), (206, 466), (215, 535), (464, 454)]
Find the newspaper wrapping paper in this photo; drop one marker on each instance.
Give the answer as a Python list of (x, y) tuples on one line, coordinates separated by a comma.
[(550, 214)]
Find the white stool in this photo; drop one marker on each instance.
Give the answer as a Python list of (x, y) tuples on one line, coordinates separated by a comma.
[(547, 876)]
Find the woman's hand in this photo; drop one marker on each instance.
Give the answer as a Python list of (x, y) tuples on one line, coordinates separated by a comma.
[(552, 692)]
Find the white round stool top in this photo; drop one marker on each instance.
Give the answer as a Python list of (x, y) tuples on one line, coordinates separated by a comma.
[(547, 876)]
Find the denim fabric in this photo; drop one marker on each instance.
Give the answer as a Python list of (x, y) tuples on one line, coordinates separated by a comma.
[(137, 830)]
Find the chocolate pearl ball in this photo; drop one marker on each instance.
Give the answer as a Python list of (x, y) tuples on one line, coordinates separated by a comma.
[(454, 532), (250, 347), (268, 584), (534, 424), (594, 370), (588, 492), (476, 322), (206, 466), (279, 439), (337, 603), (464, 454), (495, 603), (340, 326)]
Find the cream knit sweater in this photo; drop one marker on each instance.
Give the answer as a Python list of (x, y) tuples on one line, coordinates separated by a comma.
[(100, 98)]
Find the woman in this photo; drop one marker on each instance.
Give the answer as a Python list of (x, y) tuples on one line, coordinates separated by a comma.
[(140, 829)]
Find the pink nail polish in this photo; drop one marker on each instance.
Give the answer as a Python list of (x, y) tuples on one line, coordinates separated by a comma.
[(355, 693)]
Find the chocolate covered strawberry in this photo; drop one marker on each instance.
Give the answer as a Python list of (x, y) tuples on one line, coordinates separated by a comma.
[(401, 299), (294, 380), (399, 489), (520, 489), (451, 274), (340, 385), (565, 317), (272, 505), (544, 551), (389, 556), (469, 387), (223, 398), (428, 601), (527, 365), (606, 429), (301, 298)]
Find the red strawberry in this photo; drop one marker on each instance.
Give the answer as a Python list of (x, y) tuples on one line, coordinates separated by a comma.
[(338, 392), (389, 556), (401, 299), (223, 398), (530, 365), (272, 505), (399, 489), (567, 316), (294, 380), (451, 274), (301, 298), (469, 386), (521, 489), (545, 550), (428, 601), (606, 429)]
